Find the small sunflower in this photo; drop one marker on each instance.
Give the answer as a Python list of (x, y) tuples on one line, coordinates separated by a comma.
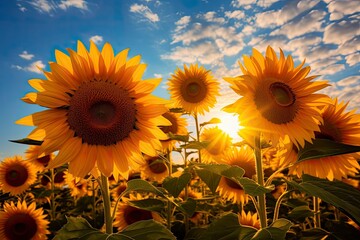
[(217, 143), (39, 161), (277, 98), (118, 190), (100, 111), (16, 175), (23, 222), (249, 220), (78, 186), (193, 89), (155, 169), (338, 126), (59, 178), (178, 127), (241, 157), (126, 214)]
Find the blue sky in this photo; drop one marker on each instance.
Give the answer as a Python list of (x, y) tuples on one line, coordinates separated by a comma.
[(170, 33)]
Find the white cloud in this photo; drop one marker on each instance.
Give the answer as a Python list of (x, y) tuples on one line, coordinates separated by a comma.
[(353, 59), (266, 3), (340, 32), (182, 23), (144, 11), (351, 80), (237, 14), (25, 55), (33, 67), (340, 8), (211, 17), (350, 46), (309, 23), (158, 75), (80, 4), (291, 10), (21, 7), (43, 5), (97, 39), (242, 3)]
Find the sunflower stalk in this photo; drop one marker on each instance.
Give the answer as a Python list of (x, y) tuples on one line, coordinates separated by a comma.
[(260, 179), (169, 204), (106, 201), (317, 220), (278, 204), (197, 133), (52, 196)]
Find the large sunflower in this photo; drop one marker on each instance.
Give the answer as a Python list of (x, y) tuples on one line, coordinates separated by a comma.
[(217, 142), (39, 161), (126, 214), (100, 111), (154, 169), (178, 127), (193, 89), (278, 99), (22, 222), (241, 157), (16, 175), (338, 126)]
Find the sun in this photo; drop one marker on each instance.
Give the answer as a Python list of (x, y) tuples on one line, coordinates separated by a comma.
[(231, 125)]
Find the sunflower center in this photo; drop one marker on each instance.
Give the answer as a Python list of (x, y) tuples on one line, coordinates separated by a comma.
[(20, 226), (101, 113), (16, 175), (132, 215), (157, 166), (282, 94), (59, 177), (194, 90), (44, 160), (276, 101), (233, 184), (174, 126)]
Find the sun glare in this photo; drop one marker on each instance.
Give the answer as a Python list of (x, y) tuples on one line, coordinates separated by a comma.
[(230, 124)]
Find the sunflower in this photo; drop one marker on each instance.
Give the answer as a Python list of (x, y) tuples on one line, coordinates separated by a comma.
[(242, 157), (118, 190), (78, 186), (249, 220), (59, 178), (23, 222), (127, 214), (197, 216), (178, 127), (99, 112), (193, 89), (16, 175), (216, 141), (277, 98), (338, 126), (39, 161), (155, 169)]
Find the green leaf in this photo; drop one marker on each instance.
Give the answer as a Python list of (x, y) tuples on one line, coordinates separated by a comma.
[(253, 188), (195, 233), (343, 196), (78, 228), (188, 207), (194, 145), (149, 204), (300, 213), (27, 141), (277, 230), (212, 121), (174, 185), (145, 230), (211, 174), (314, 234), (141, 185), (176, 110), (324, 148), (182, 138), (228, 228)]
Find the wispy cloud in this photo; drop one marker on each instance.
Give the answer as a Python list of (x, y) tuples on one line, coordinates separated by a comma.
[(97, 39), (340, 8), (145, 12), (49, 7), (25, 55), (34, 67)]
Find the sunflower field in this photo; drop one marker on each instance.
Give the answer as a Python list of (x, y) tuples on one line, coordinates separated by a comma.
[(101, 158)]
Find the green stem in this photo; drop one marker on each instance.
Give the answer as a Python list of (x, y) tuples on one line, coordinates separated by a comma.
[(278, 204), (260, 179), (52, 196), (106, 201), (169, 204), (197, 133), (187, 222), (316, 202), (93, 199)]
